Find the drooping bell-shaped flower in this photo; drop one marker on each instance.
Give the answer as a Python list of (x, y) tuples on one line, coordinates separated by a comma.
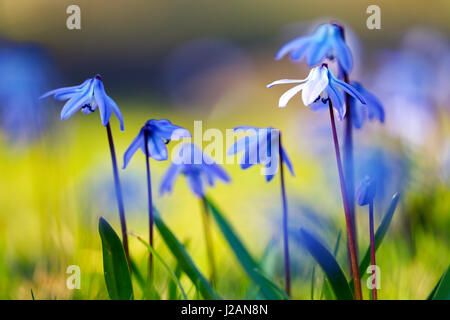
[(326, 42), (318, 88), (199, 169), (373, 109), (87, 97), (366, 191), (261, 146), (158, 134)]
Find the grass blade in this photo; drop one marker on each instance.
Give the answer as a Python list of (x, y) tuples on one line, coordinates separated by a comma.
[(172, 287), (325, 286), (442, 289), (183, 258), (165, 265), (328, 264), (117, 274), (243, 256)]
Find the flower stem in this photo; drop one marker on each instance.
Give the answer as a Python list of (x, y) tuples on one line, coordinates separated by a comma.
[(150, 207), (351, 242), (285, 222), (119, 196), (372, 251), (208, 241), (348, 161)]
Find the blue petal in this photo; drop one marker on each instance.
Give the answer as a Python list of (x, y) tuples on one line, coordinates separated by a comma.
[(336, 100), (374, 106), (287, 161), (111, 104), (169, 178), (196, 184), (215, 170), (65, 90), (100, 97), (343, 54), (346, 87), (357, 113), (137, 143), (318, 52), (76, 102), (290, 47), (268, 177), (157, 147)]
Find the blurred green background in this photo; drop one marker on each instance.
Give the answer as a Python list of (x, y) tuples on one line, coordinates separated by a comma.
[(210, 61)]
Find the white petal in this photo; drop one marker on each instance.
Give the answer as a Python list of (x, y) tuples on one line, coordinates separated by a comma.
[(284, 81), (318, 81), (284, 99)]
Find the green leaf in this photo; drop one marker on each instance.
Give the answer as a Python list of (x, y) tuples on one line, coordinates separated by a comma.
[(272, 284), (245, 259), (177, 271), (442, 289), (326, 286), (117, 274), (183, 258), (328, 264), (165, 265), (137, 274)]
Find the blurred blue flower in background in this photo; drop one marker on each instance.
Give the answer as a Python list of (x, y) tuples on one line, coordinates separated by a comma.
[(318, 87), (25, 72), (373, 109), (87, 97), (326, 42), (390, 167), (159, 133), (198, 168), (261, 147), (405, 80)]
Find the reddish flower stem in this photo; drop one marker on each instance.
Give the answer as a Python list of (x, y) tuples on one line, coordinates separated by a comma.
[(350, 238)]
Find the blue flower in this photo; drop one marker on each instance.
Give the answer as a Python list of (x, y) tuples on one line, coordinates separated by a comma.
[(366, 191), (320, 86), (373, 109), (87, 97), (25, 72), (199, 170), (159, 133), (326, 42), (260, 146)]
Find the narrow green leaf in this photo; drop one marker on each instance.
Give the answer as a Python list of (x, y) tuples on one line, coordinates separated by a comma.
[(313, 280), (442, 289), (117, 274), (178, 272), (326, 287), (183, 258), (32, 294), (272, 284), (243, 256), (328, 264), (165, 265), (137, 274)]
